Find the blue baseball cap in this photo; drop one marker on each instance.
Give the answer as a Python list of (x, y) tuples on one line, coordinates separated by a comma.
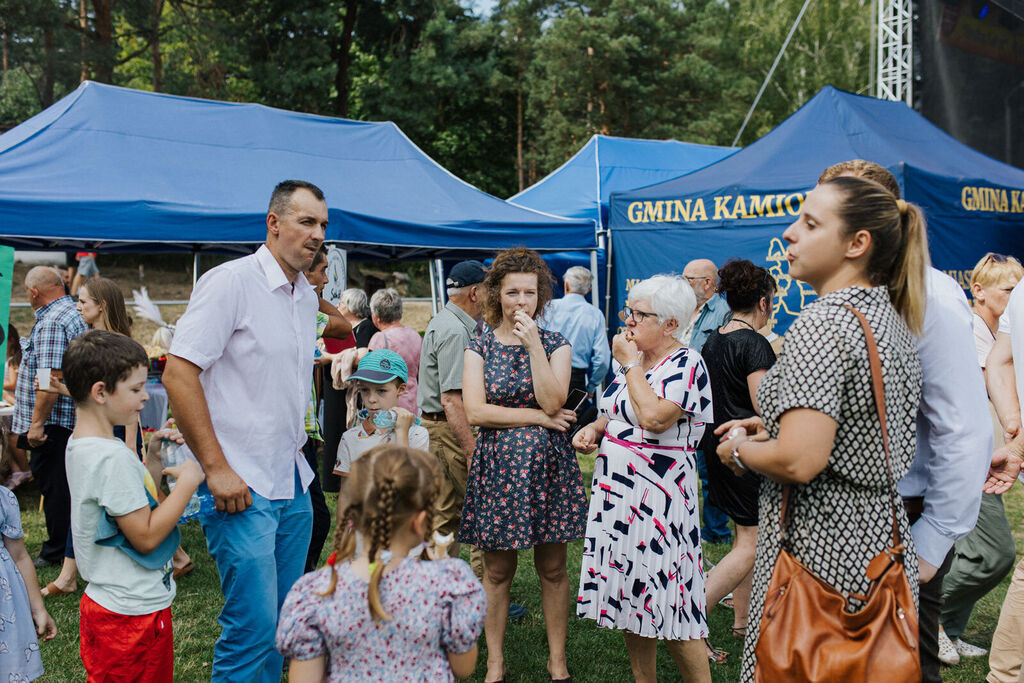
[(380, 366), (465, 273)]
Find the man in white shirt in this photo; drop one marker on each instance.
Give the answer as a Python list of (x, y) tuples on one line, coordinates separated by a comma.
[(237, 377)]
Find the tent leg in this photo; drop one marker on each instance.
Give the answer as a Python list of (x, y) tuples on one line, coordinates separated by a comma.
[(195, 268), (441, 291), (608, 281), (434, 308), (594, 279)]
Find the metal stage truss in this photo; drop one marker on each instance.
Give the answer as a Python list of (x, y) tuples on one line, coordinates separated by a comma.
[(895, 73)]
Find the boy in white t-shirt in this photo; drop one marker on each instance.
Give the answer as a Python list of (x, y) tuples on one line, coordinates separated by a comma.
[(382, 377), (123, 540)]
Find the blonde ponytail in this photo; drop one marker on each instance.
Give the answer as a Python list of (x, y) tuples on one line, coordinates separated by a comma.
[(907, 286)]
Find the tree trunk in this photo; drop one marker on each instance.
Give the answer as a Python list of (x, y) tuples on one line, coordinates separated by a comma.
[(520, 171), (3, 38), (158, 60), (103, 29), (343, 57), (83, 44), (49, 67)]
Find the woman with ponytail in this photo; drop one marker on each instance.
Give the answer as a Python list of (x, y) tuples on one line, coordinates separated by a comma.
[(378, 611), (819, 431)]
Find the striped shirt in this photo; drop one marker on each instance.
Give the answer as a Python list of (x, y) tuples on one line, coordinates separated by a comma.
[(57, 323), (444, 343)]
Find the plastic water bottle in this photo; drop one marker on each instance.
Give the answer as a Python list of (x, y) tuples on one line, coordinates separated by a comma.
[(199, 505)]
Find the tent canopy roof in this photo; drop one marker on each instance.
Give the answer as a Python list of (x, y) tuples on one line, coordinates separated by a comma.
[(834, 126), (580, 188), (120, 169)]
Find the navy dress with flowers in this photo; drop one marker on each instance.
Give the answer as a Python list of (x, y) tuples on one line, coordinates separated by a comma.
[(524, 486)]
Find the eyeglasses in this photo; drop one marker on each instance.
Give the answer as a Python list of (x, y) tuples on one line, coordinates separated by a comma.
[(691, 278), (638, 316)]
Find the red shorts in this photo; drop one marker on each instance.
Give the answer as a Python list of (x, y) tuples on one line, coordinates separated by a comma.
[(117, 647)]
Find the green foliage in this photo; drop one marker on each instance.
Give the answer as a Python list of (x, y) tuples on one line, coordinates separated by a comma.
[(637, 68), (499, 100)]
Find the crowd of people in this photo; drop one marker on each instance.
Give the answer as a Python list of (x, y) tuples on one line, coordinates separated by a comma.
[(468, 436)]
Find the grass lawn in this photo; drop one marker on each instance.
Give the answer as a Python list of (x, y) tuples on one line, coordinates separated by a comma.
[(594, 654)]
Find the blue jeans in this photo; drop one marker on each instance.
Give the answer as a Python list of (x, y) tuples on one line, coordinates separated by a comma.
[(260, 553), (714, 522)]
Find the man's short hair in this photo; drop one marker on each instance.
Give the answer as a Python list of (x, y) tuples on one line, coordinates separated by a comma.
[(282, 194), (386, 304), (577, 279), (100, 356), (859, 168)]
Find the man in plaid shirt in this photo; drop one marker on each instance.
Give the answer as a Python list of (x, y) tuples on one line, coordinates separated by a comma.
[(43, 419)]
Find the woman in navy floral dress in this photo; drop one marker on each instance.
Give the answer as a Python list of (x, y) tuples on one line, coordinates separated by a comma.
[(524, 488)]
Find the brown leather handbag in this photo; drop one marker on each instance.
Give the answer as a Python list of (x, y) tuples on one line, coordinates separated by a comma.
[(808, 632)]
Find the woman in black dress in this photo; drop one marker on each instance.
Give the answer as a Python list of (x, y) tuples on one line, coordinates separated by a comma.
[(737, 357)]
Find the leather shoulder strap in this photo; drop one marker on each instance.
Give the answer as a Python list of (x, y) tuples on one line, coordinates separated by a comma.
[(879, 393)]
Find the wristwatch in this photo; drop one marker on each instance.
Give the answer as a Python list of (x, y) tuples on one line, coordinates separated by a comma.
[(629, 366)]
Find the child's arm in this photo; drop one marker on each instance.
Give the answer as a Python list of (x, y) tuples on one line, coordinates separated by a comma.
[(403, 423), (308, 670), (45, 628), (463, 664), (146, 528)]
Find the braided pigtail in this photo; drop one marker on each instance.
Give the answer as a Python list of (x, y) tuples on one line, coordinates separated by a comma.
[(381, 527), (344, 543)]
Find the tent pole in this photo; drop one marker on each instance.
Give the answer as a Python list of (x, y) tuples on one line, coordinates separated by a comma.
[(195, 268), (594, 279), (608, 281), (433, 288), (439, 270)]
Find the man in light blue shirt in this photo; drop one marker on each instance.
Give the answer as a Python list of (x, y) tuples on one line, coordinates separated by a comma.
[(583, 325), (712, 312)]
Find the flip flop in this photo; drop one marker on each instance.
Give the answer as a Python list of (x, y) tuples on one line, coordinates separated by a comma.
[(51, 591), (183, 571)]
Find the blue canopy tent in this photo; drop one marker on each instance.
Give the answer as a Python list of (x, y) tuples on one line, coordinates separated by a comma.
[(740, 205), (581, 187), (114, 169)]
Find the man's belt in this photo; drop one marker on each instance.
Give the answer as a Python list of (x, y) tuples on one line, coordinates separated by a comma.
[(434, 417)]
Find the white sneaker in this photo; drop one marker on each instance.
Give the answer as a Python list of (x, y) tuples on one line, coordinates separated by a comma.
[(968, 650), (947, 651)]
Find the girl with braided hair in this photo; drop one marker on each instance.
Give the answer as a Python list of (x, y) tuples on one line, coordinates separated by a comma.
[(378, 611)]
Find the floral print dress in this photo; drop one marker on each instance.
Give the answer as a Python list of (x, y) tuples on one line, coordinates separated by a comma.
[(435, 608), (524, 486), (19, 648)]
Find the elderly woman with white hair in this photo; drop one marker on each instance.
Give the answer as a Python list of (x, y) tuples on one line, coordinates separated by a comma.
[(386, 313), (641, 570)]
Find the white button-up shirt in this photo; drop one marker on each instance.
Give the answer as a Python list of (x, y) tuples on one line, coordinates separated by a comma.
[(252, 334), (954, 429)]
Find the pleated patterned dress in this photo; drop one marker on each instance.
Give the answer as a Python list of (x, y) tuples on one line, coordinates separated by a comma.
[(641, 569)]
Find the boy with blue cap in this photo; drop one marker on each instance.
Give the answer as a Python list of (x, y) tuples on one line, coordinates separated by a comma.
[(382, 376)]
